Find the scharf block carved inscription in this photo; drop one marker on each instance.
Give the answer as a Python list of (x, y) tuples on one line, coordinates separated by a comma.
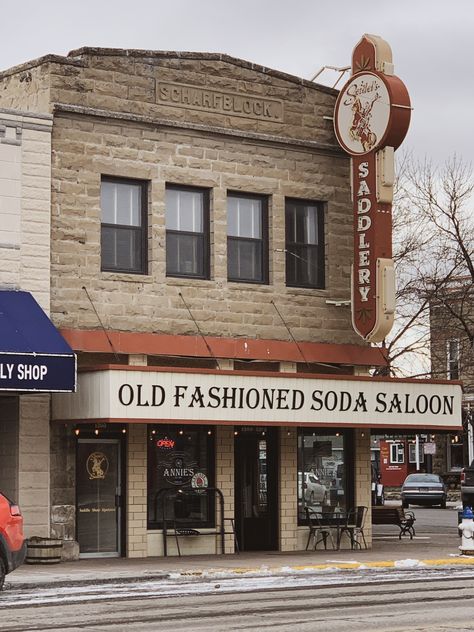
[(232, 104)]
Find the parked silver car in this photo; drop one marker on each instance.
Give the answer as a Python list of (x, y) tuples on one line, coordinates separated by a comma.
[(424, 489), (314, 490)]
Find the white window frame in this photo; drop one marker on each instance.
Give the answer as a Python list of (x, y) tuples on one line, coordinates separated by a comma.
[(397, 453), (452, 359), (412, 452)]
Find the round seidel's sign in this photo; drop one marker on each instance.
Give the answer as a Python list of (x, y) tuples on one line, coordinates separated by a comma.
[(199, 481), (363, 113)]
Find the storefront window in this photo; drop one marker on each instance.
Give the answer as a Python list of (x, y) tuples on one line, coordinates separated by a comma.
[(322, 467), (455, 453), (180, 458)]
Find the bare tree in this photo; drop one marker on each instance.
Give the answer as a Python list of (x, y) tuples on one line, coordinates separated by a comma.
[(433, 216)]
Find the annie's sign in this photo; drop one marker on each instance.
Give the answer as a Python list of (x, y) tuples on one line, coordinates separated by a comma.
[(230, 398), (372, 116)]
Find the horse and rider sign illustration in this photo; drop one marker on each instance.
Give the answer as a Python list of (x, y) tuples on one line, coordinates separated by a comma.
[(372, 116)]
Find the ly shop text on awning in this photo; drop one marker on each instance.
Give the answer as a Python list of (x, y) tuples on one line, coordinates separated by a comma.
[(33, 354)]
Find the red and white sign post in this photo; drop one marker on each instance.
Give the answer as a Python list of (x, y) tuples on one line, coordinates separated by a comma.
[(371, 120)]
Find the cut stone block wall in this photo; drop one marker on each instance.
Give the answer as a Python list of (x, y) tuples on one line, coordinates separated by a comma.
[(33, 464), (136, 506)]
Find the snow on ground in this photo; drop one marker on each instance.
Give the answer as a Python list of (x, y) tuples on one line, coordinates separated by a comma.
[(411, 570)]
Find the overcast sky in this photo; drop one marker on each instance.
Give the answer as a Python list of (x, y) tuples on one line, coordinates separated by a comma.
[(432, 43)]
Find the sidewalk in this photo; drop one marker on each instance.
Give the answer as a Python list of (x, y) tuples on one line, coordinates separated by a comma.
[(427, 549)]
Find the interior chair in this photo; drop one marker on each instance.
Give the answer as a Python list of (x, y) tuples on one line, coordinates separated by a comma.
[(318, 531)]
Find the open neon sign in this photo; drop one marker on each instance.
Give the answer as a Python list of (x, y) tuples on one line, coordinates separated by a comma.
[(165, 443)]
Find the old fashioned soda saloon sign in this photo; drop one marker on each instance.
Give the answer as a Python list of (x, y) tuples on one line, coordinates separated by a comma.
[(230, 398), (371, 120)]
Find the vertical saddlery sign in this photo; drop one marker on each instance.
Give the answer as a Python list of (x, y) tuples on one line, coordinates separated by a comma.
[(371, 120)]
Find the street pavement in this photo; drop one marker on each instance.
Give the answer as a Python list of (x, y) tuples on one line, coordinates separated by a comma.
[(435, 545)]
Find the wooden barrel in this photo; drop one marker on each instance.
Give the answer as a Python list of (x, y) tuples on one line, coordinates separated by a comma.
[(43, 550)]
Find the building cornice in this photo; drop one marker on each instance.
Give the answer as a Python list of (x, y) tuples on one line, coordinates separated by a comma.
[(64, 108)]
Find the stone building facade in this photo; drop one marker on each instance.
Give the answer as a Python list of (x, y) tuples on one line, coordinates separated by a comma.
[(452, 326), (201, 241), (25, 224)]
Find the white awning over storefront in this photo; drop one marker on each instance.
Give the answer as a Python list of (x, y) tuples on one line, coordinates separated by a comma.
[(146, 394)]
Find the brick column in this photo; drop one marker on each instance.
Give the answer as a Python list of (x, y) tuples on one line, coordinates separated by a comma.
[(225, 475), (288, 489), (33, 464), (363, 478), (136, 508)]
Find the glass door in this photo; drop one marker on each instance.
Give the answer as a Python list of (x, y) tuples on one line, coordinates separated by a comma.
[(256, 497), (98, 505)]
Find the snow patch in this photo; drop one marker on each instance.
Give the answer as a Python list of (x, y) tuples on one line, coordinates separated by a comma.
[(408, 563)]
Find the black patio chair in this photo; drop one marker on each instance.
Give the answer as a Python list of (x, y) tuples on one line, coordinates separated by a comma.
[(318, 530), (354, 527)]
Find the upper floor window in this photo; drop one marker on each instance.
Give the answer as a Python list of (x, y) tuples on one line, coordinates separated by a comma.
[(397, 453), (247, 238), (412, 453), (304, 244), (187, 232), (123, 225), (453, 359)]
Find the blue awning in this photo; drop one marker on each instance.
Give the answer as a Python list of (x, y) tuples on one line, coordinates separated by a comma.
[(33, 354)]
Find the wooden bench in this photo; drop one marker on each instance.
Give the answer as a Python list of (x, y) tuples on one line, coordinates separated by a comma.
[(396, 516)]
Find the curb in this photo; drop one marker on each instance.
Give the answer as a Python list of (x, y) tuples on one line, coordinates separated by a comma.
[(255, 571), (343, 566)]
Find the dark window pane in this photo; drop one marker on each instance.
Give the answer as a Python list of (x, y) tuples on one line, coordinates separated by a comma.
[(173, 460), (184, 254), (187, 232), (453, 359), (121, 249), (123, 233), (247, 239), (244, 260), (302, 266), (304, 244)]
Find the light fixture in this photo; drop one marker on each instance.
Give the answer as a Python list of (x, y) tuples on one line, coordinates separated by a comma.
[(181, 432), (209, 432), (153, 432), (362, 434), (235, 433), (76, 432), (96, 431), (124, 431)]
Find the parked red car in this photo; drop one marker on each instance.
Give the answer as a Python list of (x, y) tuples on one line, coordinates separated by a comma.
[(12, 541)]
